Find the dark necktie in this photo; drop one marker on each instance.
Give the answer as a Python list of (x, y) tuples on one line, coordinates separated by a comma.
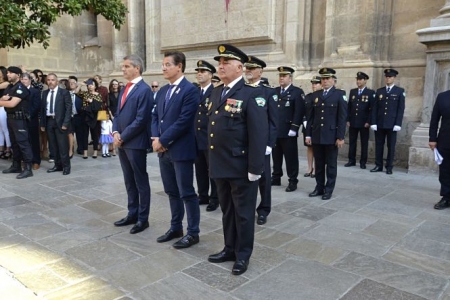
[(283, 91), (224, 92), (388, 89), (168, 95), (51, 102), (325, 92), (203, 92)]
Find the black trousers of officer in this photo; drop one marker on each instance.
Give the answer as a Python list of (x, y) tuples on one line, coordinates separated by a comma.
[(20, 140), (59, 140), (78, 128), (326, 161), (265, 190), (353, 138), (203, 180), (289, 148), (382, 135), (237, 198), (33, 132), (444, 173)]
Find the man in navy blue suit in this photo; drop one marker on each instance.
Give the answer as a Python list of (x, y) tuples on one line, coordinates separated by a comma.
[(130, 130), (173, 137)]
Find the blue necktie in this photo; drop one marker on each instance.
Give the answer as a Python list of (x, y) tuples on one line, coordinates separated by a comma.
[(224, 92), (283, 91), (325, 93), (388, 89), (168, 95), (51, 103), (359, 92)]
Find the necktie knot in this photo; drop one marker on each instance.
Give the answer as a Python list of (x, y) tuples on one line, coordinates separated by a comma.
[(388, 89), (359, 92), (325, 92), (283, 90), (225, 91)]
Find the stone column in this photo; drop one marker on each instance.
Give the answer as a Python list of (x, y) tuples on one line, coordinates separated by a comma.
[(437, 75), (136, 28), (120, 44)]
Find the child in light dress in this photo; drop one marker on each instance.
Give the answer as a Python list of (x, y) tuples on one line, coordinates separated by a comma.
[(106, 137)]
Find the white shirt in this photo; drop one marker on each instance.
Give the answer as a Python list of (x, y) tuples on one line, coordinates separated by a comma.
[(54, 101)]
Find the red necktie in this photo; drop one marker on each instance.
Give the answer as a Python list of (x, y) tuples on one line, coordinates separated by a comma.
[(125, 93)]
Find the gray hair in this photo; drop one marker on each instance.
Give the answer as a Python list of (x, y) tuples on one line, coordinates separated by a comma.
[(136, 61), (27, 75)]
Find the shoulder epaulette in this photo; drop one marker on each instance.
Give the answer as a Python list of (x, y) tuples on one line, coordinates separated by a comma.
[(268, 86), (251, 84)]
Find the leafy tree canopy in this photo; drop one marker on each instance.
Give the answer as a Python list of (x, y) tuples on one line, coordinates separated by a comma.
[(23, 22)]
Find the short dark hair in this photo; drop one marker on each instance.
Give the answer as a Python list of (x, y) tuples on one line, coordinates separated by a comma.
[(74, 78), (178, 58)]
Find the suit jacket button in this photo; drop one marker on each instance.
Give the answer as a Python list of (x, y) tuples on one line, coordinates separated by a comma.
[(212, 123), (321, 124), (198, 128), (211, 147), (199, 112), (217, 112), (162, 121), (199, 121), (243, 151), (211, 135)]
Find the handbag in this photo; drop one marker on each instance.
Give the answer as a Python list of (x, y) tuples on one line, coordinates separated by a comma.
[(101, 115)]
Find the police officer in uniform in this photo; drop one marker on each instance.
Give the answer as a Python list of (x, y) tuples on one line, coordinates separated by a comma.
[(291, 109), (325, 130), (237, 137), (387, 117), (360, 103), (16, 102), (205, 72), (253, 71)]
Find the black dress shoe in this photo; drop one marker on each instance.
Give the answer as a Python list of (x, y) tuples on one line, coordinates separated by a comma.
[(443, 204), (126, 221), (389, 171), (307, 175), (262, 219), (239, 267), (291, 187), (350, 164), (377, 169), (55, 169), (140, 226), (316, 193), (66, 171), (362, 166), (326, 196), (186, 241), (212, 206), (275, 182), (203, 201), (221, 257), (169, 235)]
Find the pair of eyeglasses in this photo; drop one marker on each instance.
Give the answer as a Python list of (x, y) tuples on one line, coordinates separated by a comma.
[(154, 86)]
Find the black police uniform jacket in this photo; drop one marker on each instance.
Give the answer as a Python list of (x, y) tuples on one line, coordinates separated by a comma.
[(20, 91), (271, 96), (389, 108), (441, 112), (201, 119), (327, 117), (237, 131), (291, 109), (359, 107)]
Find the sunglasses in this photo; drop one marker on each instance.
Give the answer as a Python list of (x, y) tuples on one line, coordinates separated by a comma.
[(154, 86)]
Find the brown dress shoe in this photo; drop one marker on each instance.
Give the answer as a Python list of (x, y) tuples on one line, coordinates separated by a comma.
[(36, 166)]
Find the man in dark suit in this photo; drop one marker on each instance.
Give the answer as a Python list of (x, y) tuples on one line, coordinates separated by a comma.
[(291, 109), (78, 123), (56, 113), (237, 137), (33, 122), (441, 142), (253, 72), (130, 130), (325, 130), (360, 103), (173, 135), (205, 72), (387, 117)]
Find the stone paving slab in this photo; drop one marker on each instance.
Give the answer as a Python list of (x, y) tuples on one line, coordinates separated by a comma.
[(378, 236)]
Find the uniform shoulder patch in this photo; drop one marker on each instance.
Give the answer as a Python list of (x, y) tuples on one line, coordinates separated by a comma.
[(268, 86), (275, 97), (260, 101), (19, 91), (344, 97)]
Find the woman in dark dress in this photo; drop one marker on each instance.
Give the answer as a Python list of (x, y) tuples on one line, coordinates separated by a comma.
[(113, 96)]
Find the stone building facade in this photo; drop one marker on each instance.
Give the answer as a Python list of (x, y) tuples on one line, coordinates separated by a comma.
[(347, 35)]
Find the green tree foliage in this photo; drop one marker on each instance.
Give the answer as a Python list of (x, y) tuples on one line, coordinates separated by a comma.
[(23, 22)]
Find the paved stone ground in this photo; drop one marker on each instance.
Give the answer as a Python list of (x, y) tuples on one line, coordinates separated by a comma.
[(377, 238)]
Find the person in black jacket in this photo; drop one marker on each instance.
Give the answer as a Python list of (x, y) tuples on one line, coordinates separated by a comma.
[(441, 142), (253, 72), (360, 103), (291, 109), (325, 130), (387, 117)]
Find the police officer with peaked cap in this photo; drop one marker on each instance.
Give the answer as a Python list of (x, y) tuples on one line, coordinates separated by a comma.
[(237, 137), (205, 72), (253, 71), (291, 109), (387, 117), (325, 131), (360, 104), (16, 102)]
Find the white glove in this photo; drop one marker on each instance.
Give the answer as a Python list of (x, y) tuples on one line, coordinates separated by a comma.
[(373, 127), (292, 133), (253, 177), (304, 124), (268, 150), (397, 128)]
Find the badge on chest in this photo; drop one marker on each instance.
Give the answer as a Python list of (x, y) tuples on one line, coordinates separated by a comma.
[(233, 105)]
